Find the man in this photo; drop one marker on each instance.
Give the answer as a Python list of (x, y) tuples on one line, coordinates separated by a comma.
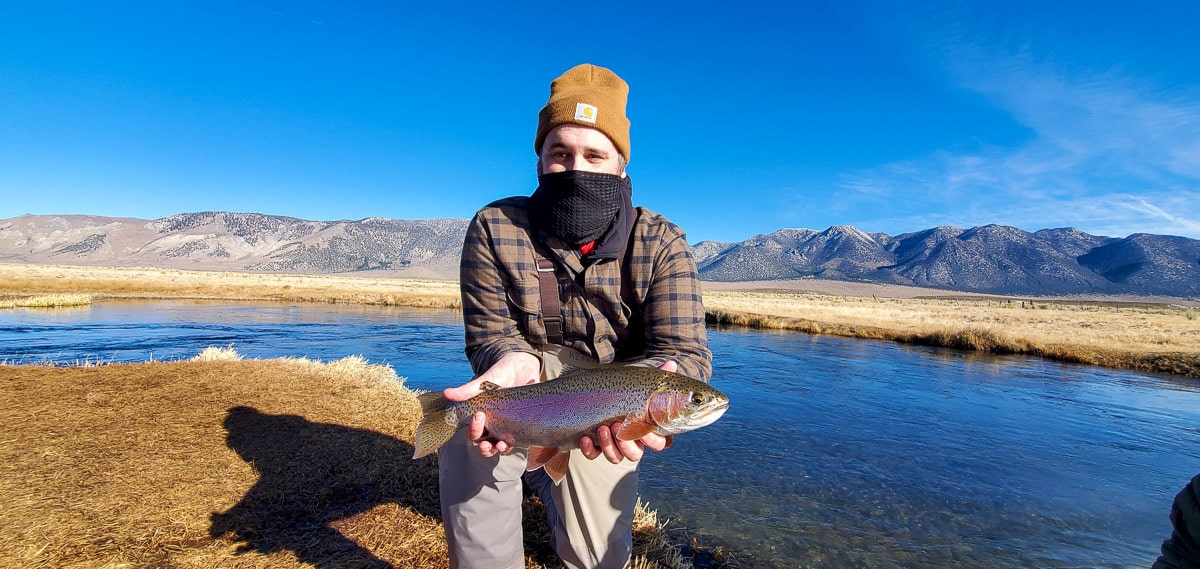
[(616, 285), (1182, 551)]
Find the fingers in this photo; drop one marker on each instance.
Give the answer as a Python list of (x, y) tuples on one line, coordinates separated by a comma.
[(632, 450), (462, 392), (489, 449), (477, 427), (607, 440), (486, 449), (607, 444), (654, 442), (589, 448), (469, 389), (477, 434), (514, 368)]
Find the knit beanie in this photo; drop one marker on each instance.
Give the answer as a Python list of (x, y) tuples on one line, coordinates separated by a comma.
[(587, 95)]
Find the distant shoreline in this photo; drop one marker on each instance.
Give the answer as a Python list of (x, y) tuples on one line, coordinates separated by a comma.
[(442, 287), (1152, 334), (855, 288)]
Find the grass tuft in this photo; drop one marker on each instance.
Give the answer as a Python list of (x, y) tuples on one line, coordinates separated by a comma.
[(215, 354), (62, 300)]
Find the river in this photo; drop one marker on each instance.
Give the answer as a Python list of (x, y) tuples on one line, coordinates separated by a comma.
[(834, 453)]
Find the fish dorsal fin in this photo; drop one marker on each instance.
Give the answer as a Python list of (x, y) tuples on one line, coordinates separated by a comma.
[(488, 386), (635, 427), (539, 456)]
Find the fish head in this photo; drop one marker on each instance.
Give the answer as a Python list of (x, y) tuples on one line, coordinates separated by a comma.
[(681, 406)]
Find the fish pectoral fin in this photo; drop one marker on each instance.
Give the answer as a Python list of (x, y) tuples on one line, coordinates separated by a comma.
[(670, 441), (539, 456), (634, 428), (557, 466)]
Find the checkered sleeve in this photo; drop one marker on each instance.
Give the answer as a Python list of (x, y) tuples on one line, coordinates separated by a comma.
[(673, 307), (491, 322)]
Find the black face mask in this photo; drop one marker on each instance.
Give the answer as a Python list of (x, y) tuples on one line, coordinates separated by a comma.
[(577, 206)]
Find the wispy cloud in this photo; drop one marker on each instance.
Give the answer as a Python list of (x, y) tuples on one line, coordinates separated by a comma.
[(1109, 154)]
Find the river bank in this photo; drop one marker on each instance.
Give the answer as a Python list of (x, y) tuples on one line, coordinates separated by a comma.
[(223, 462), (1155, 335)]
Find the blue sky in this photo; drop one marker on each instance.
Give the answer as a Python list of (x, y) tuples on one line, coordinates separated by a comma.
[(747, 117)]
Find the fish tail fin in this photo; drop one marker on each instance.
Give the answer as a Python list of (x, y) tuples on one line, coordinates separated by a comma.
[(555, 461), (437, 425)]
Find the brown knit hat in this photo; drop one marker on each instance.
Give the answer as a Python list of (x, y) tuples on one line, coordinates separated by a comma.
[(587, 95)]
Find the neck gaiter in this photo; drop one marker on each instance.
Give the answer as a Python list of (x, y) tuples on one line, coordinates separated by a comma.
[(577, 206)]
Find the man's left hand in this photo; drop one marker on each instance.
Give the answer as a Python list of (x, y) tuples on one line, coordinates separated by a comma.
[(616, 450)]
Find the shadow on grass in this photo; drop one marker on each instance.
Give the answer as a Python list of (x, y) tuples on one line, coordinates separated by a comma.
[(313, 474)]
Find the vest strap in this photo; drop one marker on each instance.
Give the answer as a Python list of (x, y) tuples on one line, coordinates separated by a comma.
[(551, 309)]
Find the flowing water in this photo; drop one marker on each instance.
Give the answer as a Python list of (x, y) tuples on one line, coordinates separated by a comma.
[(834, 453)]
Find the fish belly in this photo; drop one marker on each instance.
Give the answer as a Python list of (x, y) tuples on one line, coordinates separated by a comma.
[(557, 419)]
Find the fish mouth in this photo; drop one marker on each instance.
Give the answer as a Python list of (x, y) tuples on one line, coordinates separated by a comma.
[(709, 415)]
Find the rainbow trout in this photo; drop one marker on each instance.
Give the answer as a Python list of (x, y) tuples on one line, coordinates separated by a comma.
[(550, 417)]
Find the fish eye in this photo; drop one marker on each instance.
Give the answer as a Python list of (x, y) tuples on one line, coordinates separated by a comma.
[(697, 398)]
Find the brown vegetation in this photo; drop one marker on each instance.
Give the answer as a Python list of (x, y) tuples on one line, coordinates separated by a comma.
[(223, 462), (47, 301), (130, 283), (1146, 337)]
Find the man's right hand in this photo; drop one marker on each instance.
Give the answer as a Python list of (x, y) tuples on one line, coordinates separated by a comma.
[(512, 369)]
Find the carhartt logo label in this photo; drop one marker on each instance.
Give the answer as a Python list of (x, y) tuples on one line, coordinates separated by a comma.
[(585, 112)]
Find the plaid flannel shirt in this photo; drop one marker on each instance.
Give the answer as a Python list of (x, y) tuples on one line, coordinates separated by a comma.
[(501, 306)]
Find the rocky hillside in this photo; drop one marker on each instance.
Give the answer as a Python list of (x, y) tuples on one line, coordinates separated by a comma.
[(990, 259), (238, 242)]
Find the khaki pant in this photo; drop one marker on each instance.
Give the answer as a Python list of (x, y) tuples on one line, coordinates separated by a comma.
[(590, 512)]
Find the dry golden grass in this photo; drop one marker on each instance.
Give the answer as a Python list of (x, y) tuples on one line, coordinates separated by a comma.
[(220, 462), (132, 283), (47, 301), (1145, 337)]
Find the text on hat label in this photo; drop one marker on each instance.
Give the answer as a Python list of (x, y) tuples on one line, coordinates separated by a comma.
[(585, 112)]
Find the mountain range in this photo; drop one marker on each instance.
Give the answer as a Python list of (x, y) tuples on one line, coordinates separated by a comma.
[(238, 242), (991, 259)]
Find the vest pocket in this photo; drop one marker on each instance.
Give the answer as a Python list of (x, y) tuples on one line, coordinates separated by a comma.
[(525, 306)]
